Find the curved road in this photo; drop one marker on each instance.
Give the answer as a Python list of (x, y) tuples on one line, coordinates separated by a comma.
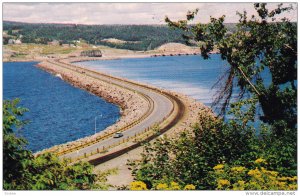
[(162, 106)]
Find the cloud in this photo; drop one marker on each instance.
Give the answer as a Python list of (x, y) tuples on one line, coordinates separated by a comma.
[(123, 13)]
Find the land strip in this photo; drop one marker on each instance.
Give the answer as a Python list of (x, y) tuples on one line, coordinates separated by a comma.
[(157, 109), (101, 147)]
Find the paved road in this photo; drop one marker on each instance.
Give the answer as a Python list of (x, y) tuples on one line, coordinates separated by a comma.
[(162, 107)]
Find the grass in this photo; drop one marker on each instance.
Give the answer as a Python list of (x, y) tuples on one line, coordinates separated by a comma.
[(40, 49), (28, 51), (19, 55), (49, 49)]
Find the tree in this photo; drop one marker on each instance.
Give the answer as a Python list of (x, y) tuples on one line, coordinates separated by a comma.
[(137, 37), (23, 171), (255, 51), (14, 154), (262, 57), (261, 48), (190, 158)]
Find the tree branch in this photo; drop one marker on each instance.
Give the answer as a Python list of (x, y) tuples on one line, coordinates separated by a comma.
[(248, 81)]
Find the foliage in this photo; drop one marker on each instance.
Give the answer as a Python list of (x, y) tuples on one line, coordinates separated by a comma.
[(242, 178), (139, 186), (190, 158), (23, 171), (137, 37), (47, 172), (27, 49), (10, 113), (225, 177), (257, 46), (14, 155), (262, 63)]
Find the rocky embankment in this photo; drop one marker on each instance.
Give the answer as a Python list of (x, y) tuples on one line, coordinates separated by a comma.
[(132, 105), (192, 107)]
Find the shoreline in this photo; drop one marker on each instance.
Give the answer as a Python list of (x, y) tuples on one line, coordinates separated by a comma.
[(111, 55), (125, 110), (189, 119), (132, 105), (191, 116)]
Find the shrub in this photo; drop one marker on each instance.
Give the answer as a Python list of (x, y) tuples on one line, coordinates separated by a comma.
[(23, 171), (258, 178)]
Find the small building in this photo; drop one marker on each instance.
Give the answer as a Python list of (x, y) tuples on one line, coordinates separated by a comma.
[(65, 45), (11, 41), (18, 41), (15, 31), (54, 43), (91, 53)]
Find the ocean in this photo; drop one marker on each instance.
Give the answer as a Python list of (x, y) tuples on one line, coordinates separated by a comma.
[(190, 75), (58, 112)]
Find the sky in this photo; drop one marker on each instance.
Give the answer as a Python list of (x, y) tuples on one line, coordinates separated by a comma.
[(125, 13)]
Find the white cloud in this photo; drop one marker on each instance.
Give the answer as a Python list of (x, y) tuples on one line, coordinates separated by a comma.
[(123, 13)]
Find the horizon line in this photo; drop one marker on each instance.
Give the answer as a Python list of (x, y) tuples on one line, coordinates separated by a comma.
[(62, 23)]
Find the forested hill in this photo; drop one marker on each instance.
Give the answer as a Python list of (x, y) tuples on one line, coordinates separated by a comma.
[(133, 37)]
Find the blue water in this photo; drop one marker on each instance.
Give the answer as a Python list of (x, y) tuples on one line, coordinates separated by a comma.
[(190, 75), (58, 112)]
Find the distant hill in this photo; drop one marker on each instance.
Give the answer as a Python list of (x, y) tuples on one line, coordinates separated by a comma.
[(132, 37), (174, 47)]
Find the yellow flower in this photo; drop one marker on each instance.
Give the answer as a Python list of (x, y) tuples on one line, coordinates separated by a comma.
[(272, 178), (241, 182), (292, 178), (292, 187), (138, 186), (282, 178), (238, 169), (189, 187), (162, 186), (223, 182), (219, 166), (281, 185), (260, 160), (253, 183), (238, 188), (272, 173), (219, 171), (174, 186), (240, 185), (254, 172)]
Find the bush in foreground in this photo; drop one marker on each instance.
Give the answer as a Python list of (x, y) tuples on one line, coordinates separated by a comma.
[(23, 171)]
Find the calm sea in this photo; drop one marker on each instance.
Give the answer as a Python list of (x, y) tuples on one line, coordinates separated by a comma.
[(190, 75), (58, 112)]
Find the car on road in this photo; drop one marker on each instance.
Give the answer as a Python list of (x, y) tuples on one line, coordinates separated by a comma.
[(118, 135)]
